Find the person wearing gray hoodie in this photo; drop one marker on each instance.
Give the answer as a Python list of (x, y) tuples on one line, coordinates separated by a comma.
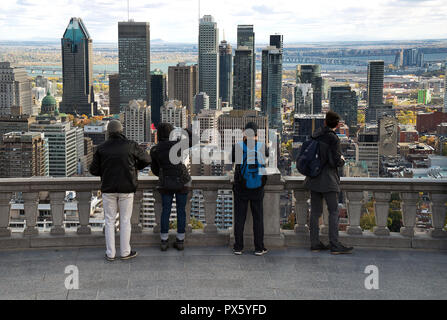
[(326, 185)]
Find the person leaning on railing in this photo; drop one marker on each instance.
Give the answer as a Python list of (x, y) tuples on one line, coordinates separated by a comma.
[(174, 179), (326, 185), (117, 162)]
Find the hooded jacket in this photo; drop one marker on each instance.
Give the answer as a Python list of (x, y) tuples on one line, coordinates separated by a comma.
[(331, 158), (117, 162), (160, 160)]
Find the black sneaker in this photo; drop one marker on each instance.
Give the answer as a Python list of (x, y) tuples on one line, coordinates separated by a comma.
[(237, 252), (261, 252), (319, 247), (164, 245), (109, 259), (179, 244), (131, 255), (341, 249)]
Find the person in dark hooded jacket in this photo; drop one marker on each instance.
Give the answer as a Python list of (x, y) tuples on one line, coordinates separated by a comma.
[(117, 162), (326, 185), (170, 173)]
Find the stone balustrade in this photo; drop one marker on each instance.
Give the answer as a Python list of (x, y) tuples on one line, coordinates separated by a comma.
[(355, 191)]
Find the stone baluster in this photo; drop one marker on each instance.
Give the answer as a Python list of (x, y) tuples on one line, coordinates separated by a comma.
[(157, 210), (354, 204), (84, 198), (210, 197), (31, 202), (409, 208), (301, 211), (136, 211), (57, 212), (5, 208), (381, 208), (438, 214)]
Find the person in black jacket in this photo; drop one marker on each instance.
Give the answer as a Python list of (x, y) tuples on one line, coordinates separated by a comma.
[(326, 185), (117, 162), (174, 179), (243, 195)]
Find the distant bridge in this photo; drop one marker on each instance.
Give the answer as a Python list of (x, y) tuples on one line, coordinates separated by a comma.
[(322, 60)]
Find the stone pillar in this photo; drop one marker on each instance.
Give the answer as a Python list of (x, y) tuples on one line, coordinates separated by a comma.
[(5, 207), (354, 204), (438, 201), (57, 212), (136, 211), (31, 200), (210, 197), (409, 206), (84, 198), (382, 206), (157, 210), (301, 211), (272, 198)]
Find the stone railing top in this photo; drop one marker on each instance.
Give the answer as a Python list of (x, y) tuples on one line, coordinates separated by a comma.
[(37, 184), (379, 184)]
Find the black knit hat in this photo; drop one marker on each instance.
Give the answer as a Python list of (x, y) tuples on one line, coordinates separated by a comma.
[(253, 126)]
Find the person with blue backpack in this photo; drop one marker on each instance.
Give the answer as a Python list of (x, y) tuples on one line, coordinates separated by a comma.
[(319, 160), (250, 157)]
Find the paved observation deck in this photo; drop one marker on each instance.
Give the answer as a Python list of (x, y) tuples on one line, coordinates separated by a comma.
[(410, 264), (215, 273)]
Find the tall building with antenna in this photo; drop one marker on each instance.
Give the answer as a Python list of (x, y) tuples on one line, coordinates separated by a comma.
[(77, 70), (134, 62), (209, 59)]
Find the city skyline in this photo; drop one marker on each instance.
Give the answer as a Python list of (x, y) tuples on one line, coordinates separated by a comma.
[(324, 20)]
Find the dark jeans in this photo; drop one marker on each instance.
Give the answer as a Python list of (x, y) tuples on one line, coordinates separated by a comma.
[(240, 214), (166, 199), (316, 203)]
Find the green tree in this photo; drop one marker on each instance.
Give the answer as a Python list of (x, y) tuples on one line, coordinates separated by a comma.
[(290, 224), (367, 221)]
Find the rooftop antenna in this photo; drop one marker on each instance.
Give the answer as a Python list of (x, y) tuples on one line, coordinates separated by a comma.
[(128, 16), (223, 35)]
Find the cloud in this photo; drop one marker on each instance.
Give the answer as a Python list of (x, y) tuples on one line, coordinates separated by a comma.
[(177, 20)]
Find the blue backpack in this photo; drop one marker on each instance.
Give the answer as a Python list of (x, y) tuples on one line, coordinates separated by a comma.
[(251, 166), (308, 162)]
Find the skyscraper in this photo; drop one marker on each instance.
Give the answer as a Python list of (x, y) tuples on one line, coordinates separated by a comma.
[(276, 40), (114, 93), (174, 113), (23, 154), (246, 38), (63, 144), (183, 84), (344, 101), (243, 85), (158, 94), (311, 73), (202, 101), (225, 72), (137, 121), (15, 89), (304, 98), (374, 89), (271, 92), (77, 65), (209, 59), (134, 62)]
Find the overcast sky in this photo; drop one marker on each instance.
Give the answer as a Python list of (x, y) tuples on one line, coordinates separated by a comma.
[(177, 20)]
